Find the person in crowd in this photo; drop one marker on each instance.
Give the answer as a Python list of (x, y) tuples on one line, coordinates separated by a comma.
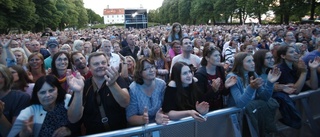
[(20, 57), (246, 48), (186, 55), (131, 49), (175, 33), (279, 36), (53, 47), (273, 49), (144, 50), (49, 113), (36, 47), (253, 93), (66, 48), (230, 53), (78, 45), (36, 66), (212, 80), (11, 101), (289, 39), (294, 75), (175, 49), (21, 80), (87, 49), (105, 97), (181, 97), (160, 62), (116, 47), (106, 47), (61, 62), (130, 64), (312, 55), (79, 62), (302, 49), (146, 95)]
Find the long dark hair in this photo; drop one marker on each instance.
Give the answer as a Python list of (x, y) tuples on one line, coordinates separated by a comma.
[(184, 101), (52, 81), (259, 58), (23, 78), (238, 67), (172, 32), (53, 63)]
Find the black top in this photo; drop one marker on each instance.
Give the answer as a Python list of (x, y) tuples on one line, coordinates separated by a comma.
[(91, 114), (170, 101), (127, 52)]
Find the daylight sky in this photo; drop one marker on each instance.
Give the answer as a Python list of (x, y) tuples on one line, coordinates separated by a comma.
[(98, 5)]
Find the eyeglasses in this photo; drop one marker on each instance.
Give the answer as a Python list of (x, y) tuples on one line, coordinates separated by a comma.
[(96, 64), (62, 59), (149, 68)]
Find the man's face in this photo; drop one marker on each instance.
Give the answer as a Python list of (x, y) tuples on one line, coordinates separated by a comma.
[(130, 40), (106, 47), (98, 66), (14, 44), (187, 45), (35, 46), (87, 48), (79, 61)]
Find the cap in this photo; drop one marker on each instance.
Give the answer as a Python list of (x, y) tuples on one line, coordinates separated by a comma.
[(52, 43)]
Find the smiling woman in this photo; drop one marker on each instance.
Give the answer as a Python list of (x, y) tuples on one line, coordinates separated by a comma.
[(60, 64), (49, 112)]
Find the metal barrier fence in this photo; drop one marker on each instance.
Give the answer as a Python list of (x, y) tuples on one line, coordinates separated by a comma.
[(228, 123)]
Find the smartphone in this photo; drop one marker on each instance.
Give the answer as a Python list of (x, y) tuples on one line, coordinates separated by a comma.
[(201, 116)]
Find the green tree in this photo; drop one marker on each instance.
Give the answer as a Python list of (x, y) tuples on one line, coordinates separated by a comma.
[(94, 17)]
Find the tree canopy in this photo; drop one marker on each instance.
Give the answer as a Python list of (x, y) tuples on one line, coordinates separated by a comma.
[(224, 11), (36, 15)]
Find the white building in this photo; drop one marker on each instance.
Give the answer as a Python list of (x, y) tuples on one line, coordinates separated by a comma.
[(113, 16)]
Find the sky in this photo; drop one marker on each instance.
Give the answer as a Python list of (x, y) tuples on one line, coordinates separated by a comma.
[(98, 5)]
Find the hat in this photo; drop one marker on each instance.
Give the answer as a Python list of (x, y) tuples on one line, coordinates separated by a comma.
[(52, 43)]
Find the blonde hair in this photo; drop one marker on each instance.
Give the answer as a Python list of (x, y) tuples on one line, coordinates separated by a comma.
[(24, 62)]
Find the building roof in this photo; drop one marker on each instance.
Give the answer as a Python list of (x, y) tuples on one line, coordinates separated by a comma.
[(113, 11)]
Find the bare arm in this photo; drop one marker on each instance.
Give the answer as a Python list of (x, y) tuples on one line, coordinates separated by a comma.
[(121, 95)]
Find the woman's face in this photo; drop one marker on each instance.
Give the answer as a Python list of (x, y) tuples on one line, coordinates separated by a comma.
[(116, 47), (35, 62), (291, 55), (186, 76), (248, 64), (177, 48), (249, 49), (61, 62), (177, 29), (149, 71), (156, 49), (14, 74), (214, 58), (19, 56), (268, 60), (47, 95), (130, 63)]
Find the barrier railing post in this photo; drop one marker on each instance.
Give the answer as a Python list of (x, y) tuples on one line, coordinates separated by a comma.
[(312, 124), (236, 125)]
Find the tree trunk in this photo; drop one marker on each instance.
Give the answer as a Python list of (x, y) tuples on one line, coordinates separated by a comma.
[(313, 7), (240, 16), (286, 19)]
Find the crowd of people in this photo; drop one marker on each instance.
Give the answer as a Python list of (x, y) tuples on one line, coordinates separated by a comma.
[(71, 83)]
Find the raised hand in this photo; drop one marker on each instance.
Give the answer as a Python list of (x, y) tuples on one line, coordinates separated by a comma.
[(302, 66), (75, 83), (6, 45), (145, 116), (27, 128), (216, 84), (274, 74), (111, 76), (255, 83), (230, 81), (61, 132), (315, 63), (202, 107), (162, 118)]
